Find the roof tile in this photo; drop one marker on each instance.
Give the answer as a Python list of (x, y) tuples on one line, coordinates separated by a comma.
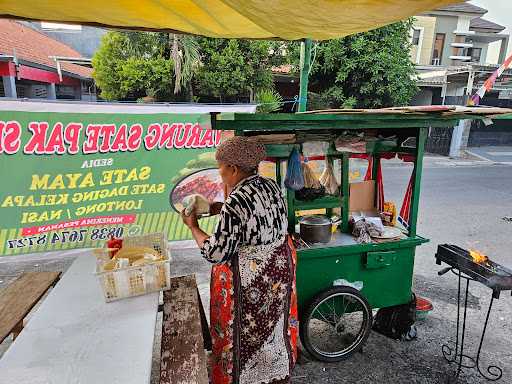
[(463, 7), (479, 23), (35, 47)]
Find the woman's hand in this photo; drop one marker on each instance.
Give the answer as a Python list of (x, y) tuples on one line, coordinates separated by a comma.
[(216, 207), (190, 220)]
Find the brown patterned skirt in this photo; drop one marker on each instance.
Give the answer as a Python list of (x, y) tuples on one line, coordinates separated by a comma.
[(253, 315)]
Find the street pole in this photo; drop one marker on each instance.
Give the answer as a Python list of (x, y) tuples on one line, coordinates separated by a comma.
[(305, 65), (458, 130)]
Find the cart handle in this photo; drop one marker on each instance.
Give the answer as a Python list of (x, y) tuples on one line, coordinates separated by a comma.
[(444, 270)]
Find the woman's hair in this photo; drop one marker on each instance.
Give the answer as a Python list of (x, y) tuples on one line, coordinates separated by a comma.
[(244, 152)]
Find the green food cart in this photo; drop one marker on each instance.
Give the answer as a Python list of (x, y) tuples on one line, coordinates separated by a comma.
[(336, 318)]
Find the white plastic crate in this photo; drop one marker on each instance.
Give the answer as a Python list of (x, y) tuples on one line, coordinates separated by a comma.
[(138, 280)]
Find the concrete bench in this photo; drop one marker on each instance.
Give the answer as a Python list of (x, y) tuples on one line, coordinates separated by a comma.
[(19, 297), (185, 334)]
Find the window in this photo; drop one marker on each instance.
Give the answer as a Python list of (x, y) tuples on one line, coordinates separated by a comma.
[(416, 36), (65, 92), (459, 51), (416, 33), (22, 91), (475, 53), (437, 55)]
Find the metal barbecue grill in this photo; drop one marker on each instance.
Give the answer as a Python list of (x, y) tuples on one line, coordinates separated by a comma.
[(489, 273), (493, 275)]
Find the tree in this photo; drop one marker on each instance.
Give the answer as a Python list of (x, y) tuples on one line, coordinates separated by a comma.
[(129, 65), (233, 69), (186, 57), (366, 70)]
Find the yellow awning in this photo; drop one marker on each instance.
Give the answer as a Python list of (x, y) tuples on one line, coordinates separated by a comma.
[(263, 19)]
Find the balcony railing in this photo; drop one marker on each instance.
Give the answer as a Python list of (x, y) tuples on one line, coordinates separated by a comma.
[(462, 45), (461, 58), (464, 33)]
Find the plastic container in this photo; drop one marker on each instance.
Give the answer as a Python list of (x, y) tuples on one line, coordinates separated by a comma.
[(135, 280), (423, 308)]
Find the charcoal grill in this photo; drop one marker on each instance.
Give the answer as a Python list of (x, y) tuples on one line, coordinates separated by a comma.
[(493, 275)]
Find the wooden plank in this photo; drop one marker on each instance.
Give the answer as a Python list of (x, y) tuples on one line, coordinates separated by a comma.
[(389, 118), (183, 359), (19, 297), (207, 337), (17, 330), (393, 113)]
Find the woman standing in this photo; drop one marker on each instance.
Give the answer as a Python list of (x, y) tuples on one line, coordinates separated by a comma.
[(253, 310)]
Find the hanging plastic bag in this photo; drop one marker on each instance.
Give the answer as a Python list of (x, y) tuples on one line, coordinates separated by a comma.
[(310, 180), (197, 202), (294, 177), (312, 187), (328, 180)]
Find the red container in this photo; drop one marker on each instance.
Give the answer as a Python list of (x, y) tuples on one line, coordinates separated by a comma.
[(423, 308)]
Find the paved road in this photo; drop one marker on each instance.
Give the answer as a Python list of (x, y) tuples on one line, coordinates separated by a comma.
[(460, 204), (494, 154), (463, 205)]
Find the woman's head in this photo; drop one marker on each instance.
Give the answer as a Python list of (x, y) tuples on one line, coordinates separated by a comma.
[(238, 157)]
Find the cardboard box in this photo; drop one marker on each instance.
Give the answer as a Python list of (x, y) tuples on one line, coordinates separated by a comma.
[(362, 199), (362, 203)]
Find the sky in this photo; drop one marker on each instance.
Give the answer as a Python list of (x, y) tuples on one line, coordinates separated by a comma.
[(500, 11)]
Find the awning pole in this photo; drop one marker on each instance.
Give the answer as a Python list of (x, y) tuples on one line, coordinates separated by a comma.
[(305, 64)]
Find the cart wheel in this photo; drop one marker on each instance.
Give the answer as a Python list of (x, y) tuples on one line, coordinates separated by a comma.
[(336, 324)]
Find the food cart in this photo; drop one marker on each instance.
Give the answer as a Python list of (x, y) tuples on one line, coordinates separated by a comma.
[(385, 269), (335, 317)]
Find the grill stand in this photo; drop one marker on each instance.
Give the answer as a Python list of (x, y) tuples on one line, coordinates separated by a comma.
[(457, 355)]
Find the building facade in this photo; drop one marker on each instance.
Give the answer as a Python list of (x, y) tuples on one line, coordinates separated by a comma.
[(455, 50), (83, 39), (456, 35)]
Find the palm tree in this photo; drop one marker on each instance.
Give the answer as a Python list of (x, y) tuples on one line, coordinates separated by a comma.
[(186, 58)]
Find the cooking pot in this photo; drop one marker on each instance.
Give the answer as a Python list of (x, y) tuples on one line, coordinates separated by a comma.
[(317, 228)]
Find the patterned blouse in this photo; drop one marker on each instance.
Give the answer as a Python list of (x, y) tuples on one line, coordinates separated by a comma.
[(254, 214)]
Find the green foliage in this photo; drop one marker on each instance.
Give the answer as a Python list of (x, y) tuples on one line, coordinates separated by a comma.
[(367, 70), (132, 65), (146, 44), (154, 77), (186, 57), (284, 52), (231, 69), (269, 100)]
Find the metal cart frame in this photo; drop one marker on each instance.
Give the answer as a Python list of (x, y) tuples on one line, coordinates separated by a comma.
[(386, 269)]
